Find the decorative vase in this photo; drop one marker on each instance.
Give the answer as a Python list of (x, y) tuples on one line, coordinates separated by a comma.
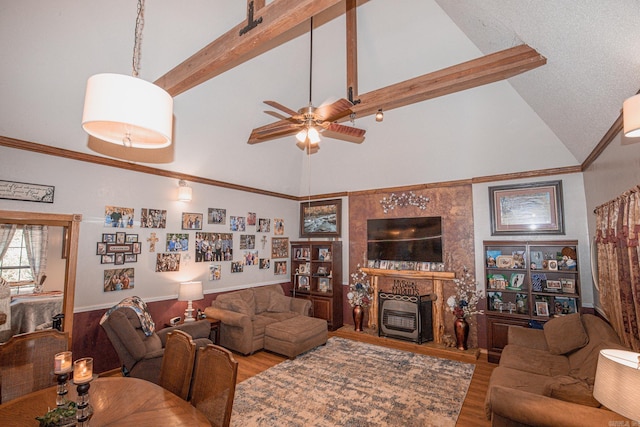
[(461, 328), (358, 315)]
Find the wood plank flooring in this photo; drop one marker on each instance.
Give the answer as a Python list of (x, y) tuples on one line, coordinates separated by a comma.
[(472, 413)]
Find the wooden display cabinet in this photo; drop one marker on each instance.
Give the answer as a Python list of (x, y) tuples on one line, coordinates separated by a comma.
[(316, 274), (526, 284)]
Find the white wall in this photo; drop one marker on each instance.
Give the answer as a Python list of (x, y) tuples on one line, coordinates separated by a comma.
[(575, 219), (87, 188)]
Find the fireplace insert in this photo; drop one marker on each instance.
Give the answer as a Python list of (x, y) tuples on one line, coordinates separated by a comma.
[(405, 317)]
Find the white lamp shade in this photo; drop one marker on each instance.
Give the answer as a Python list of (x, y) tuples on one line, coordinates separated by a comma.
[(631, 116), (617, 383), (302, 135), (184, 193), (117, 107), (314, 136), (190, 291)]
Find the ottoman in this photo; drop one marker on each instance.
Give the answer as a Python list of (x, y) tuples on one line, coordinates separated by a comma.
[(294, 336)]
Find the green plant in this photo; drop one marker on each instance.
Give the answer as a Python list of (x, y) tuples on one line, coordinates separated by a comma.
[(59, 416)]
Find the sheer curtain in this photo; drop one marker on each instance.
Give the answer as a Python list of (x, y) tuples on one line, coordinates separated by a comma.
[(36, 239), (617, 230), (6, 234)]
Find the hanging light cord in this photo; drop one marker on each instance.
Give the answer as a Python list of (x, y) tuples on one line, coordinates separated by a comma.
[(138, 38), (310, 58)]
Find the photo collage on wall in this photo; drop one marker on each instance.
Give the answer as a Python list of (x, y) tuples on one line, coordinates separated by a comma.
[(210, 246)]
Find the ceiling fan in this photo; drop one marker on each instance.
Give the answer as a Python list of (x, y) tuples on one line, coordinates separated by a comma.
[(308, 122)]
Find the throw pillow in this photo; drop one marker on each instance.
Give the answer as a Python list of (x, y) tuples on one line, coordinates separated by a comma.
[(278, 303), (571, 390), (565, 334), (238, 305)]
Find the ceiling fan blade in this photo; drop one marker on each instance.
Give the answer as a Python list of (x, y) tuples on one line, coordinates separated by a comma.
[(331, 112), (281, 107), (274, 130), (347, 131)]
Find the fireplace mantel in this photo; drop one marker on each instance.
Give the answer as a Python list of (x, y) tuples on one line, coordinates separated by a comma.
[(438, 305)]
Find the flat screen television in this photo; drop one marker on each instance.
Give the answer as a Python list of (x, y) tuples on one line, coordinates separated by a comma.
[(416, 239)]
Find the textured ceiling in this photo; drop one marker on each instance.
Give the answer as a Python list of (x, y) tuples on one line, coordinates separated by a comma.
[(552, 116)]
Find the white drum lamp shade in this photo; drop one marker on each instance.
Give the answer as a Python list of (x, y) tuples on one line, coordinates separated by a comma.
[(129, 111), (631, 116), (617, 383), (190, 291)]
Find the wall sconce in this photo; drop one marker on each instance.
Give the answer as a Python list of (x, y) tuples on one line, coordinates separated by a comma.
[(190, 291), (379, 115), (631, 116), (617, 383), (184, 191)]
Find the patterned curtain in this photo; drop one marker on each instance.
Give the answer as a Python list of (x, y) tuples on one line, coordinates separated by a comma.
[(36, 239), (617, 230), (6, 234)]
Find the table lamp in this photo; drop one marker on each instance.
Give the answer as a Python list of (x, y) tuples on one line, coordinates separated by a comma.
[(617, 383), (190, 291)]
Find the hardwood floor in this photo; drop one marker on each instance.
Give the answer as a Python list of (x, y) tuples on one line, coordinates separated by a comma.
[(472, 413)]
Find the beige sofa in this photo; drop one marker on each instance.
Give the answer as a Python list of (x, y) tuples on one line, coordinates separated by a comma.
[(545, 377), (249, 318)]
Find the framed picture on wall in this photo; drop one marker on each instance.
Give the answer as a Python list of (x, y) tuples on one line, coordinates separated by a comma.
[(527, 209), (321, 218)]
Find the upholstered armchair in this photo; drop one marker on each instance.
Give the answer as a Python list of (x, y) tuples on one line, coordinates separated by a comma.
[(141, 355)]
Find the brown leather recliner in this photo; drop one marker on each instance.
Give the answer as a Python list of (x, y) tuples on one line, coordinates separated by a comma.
[(140, 355)]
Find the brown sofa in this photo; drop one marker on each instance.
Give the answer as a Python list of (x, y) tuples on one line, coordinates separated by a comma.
[(545, 377), (245, 317)]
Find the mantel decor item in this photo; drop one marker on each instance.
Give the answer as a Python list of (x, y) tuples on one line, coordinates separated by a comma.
[(321, 218), (534, 208), (402, 201)]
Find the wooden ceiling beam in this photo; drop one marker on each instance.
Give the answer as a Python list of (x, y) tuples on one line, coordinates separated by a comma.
[(232, 49), (477, 72)]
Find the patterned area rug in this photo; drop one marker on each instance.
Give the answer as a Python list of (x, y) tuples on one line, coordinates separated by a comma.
[(348, 383)]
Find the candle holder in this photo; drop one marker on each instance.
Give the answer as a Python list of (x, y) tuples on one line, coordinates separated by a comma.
[(61, 368), (82, 377)]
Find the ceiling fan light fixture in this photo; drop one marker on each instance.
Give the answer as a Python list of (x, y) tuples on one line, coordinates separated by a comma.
[(631, 116), (302, 135), (313, 135), (379, 115)]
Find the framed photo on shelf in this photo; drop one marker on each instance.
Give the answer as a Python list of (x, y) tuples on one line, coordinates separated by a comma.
[(542, 308), (321, 218), (303, 283), (324, 285), (554, 286), (324, 254), (568, 286), (552, 264), (535, 208), (564, 306), (322, 271), (304, 268)]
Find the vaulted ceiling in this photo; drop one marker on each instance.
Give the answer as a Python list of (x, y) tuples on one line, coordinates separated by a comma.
[(551, 116)]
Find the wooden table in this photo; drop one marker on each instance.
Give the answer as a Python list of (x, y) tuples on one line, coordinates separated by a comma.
[(116, 401), (215, 328)]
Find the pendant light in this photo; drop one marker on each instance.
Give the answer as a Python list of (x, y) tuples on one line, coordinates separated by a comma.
[(631, 116), (309, 135), (126, 110)]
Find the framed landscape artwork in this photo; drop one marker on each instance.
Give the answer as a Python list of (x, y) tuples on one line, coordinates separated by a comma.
[(321, 218), (527, 209)]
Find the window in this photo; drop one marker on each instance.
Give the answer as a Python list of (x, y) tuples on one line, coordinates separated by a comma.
[(14, 266)]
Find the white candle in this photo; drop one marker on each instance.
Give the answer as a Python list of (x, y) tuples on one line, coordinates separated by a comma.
[(83, 370), (62, 362)]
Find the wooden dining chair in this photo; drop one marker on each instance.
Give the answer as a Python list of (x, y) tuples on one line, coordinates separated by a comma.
[(26, 362), (177, 363), (214, 384)]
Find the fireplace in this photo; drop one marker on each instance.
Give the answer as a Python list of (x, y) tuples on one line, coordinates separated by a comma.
[(406, 317)]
